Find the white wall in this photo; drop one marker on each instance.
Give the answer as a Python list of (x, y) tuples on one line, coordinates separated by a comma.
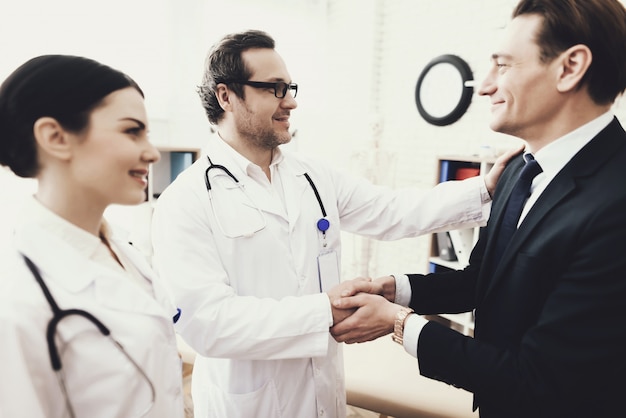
[(356, 63)]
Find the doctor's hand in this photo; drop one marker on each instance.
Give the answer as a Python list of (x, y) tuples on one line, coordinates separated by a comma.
[(374, 317), (491, 179), (350, 288)]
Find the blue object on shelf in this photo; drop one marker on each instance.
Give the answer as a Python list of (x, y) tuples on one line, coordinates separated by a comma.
[(179, 161)]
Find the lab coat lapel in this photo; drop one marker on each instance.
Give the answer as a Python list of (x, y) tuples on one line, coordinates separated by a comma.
[(295, 185), (161, 295), (261, 198), (55, 259), (257, 196), (59, 262), (121, 294)]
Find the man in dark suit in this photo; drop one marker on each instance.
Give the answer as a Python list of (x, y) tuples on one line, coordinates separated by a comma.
[(550, 301)]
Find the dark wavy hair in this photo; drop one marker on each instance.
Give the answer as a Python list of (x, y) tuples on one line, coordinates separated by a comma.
[(598, 24), (224, 63), (64, 87)]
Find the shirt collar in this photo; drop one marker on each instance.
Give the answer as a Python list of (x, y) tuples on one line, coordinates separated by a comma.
[(242, 162), (79, 239), (554, 156)]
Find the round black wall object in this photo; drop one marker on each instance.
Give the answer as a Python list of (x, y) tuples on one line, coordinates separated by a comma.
[(444, 90)]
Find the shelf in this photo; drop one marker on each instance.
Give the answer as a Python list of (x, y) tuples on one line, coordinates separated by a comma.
[(173, 161), (467, 158), (460, 242)]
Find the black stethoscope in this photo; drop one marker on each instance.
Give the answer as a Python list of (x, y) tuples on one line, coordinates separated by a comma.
[(322, 224), (58, 315)]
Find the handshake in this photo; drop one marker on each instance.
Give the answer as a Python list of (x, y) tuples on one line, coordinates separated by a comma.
[(363, 309)]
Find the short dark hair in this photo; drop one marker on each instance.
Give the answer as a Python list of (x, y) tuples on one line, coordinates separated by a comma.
[(64, 87), (224, 63), (598, 24)]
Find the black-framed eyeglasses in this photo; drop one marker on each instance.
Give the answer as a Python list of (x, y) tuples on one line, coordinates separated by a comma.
[(280, 87)]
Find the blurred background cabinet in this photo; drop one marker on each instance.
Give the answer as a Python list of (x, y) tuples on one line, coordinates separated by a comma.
[(173, 161), (451, 250)]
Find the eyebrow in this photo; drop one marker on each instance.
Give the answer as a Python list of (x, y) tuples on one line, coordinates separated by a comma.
[(273, 80), (137, 121), (501, 55)]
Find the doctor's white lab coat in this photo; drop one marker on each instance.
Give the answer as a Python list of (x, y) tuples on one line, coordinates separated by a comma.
[(100, 382), (251, 303)]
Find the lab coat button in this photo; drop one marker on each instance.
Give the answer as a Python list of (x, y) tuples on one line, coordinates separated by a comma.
[(322, 412)]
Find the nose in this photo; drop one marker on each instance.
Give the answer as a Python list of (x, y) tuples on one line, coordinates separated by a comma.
[(288, 102), (151, 154), (488, 86)]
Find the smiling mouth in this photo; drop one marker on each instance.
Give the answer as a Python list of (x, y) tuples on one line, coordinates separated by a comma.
[(140, 175)]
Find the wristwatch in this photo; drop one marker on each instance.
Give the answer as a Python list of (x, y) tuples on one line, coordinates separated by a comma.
[(398, 325)]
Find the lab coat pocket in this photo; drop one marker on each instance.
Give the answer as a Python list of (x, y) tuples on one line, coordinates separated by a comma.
[(235, 214), (260, 403)]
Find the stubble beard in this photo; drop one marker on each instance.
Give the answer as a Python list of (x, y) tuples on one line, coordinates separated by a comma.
[(260, 137)]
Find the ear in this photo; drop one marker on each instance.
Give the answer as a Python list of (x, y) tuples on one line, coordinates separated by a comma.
[(51, 138), (573, 65), (223, 94)]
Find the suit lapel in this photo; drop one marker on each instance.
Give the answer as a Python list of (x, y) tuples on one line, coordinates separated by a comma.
[(505, 187), (558, 189), (588, 160)]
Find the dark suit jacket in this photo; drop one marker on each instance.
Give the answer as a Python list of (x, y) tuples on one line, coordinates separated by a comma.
[(550, 331)]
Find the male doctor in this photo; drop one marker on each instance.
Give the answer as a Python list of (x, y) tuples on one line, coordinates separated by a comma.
[(248, 239)]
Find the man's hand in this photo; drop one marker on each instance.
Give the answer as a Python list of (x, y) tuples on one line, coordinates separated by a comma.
[(491, 179), (388, 287), (374, 317), (350, 288)]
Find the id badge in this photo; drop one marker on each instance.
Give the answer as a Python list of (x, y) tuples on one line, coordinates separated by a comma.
[(328, 270)]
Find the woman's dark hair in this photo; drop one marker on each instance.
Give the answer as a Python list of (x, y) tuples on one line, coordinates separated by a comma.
[(66, 88), (598, 24), (224, 63)]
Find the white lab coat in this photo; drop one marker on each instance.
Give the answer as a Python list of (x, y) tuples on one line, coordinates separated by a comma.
[(251, 306), (100, 382)]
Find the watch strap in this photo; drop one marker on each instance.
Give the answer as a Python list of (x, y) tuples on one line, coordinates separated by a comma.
[(398, 325)]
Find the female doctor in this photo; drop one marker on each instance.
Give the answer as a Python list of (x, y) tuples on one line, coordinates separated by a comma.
[(86, 328)]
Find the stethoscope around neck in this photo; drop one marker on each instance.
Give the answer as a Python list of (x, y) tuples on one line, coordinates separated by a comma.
[(58, 315), (322, 224)]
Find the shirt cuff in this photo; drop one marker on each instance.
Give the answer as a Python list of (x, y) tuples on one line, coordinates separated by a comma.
[(403, 289), (329, 310), (485, 197), (411, 334)]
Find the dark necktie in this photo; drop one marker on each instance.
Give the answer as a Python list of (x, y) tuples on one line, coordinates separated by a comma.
[(513, 210)]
